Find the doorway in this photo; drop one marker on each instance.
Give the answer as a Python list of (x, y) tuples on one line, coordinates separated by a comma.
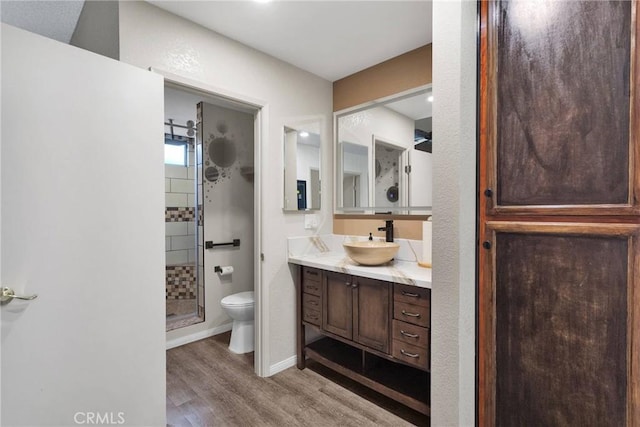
[(223, 157)]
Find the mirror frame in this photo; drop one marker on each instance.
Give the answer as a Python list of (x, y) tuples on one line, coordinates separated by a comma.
[(401, 212)]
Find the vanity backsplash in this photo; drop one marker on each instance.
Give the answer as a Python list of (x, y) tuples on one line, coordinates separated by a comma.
[(410, 250)]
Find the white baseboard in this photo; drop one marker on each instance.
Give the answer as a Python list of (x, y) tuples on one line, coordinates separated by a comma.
[(281, 366), (198, 336)]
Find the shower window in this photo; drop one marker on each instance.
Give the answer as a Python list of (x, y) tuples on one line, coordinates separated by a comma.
[(175, 153)]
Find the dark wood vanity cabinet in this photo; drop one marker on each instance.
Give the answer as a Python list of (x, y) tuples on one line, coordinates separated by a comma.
[(411, 322), (337, 307), (374, 332), (312, 296), (371, 317), (357, 309)]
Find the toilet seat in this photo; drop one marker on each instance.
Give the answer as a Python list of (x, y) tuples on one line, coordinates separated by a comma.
[(241, 299)]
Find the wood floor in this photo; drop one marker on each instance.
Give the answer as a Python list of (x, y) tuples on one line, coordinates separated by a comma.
[(207, 385)]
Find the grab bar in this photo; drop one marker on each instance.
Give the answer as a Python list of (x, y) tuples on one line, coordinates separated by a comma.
[(209, 244)]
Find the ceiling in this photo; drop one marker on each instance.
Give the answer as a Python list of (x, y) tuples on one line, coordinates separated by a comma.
[(331, 39)]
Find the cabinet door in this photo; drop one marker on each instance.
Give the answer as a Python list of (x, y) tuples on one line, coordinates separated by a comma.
[(560, 108), (561, 345), (337, 301), (371, 314), (559, 174)]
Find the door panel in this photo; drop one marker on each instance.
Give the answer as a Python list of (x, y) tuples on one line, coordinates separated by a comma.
[(560, 94), (337, 300), (564, 327), (372, 314), (82, 227)]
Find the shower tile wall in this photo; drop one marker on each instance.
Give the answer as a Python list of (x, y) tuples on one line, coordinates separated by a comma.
[(181, 281), (180, 231)]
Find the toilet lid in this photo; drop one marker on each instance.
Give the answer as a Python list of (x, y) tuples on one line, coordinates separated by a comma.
[(242, 298)]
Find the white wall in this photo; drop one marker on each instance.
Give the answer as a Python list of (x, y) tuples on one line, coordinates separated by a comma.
[(150, 37), (227, 210), (454, 198), (181, 107), (97, 28)]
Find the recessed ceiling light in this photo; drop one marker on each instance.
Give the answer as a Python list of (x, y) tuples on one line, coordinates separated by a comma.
[(430, 98), (304, 134)]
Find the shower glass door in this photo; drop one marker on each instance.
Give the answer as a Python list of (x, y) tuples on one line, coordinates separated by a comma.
[(183, 192)]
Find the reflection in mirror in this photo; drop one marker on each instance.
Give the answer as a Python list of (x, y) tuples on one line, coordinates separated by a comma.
[(302, 167), (390, 185), (355, 175), (397, 132)]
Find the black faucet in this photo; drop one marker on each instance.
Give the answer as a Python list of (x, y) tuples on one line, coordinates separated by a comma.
[(389, 230)]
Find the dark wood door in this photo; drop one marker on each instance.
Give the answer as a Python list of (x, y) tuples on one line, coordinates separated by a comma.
[(371, 314), (559, 214), (337, 300), (564, 325), (560, 109)]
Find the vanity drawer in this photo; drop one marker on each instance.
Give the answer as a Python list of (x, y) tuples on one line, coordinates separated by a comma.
[(311, 306), (412, 295), (311, 281), (310, 315), (411, 354), (411, 313), (310, 273), (312, 288), (310, 302), (410, 334)]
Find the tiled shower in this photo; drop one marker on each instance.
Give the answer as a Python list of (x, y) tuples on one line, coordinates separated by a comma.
[(181, 287)]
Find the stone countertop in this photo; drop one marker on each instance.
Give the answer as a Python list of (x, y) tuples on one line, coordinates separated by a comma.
[(397, 271)]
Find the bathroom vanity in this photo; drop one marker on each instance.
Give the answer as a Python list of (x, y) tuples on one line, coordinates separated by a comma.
[(374, 330)]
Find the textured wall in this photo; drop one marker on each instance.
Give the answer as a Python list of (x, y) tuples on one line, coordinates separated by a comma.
[(454, 198), (150, 37)]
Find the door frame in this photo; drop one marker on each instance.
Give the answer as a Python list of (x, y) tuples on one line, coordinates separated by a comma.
[(261, 324)]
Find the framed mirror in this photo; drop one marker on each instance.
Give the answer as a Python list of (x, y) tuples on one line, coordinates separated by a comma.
[(383, 155), (302, 167)]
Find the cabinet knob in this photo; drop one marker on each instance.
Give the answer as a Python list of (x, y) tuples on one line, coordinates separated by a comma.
[(355, 285), (486, 244), (347, 283), (488, 192)]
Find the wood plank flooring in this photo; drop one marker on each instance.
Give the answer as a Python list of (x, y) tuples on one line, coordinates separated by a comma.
[(207, 385)]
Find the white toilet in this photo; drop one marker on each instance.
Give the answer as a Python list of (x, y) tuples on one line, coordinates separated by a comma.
[(240, 308)]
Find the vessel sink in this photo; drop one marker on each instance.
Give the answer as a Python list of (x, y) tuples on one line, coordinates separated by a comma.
[(370, 252)]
